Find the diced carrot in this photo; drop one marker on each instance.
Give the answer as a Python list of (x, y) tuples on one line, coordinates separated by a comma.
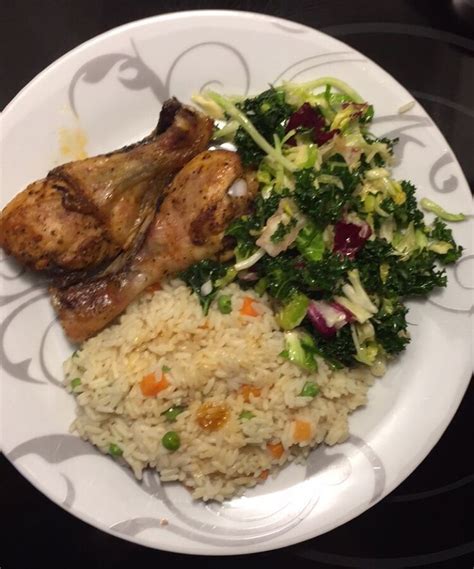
[(276, 450), (150, 386), (264, 474), (301, 431), (154, 287), (247, 307), (247, 390)]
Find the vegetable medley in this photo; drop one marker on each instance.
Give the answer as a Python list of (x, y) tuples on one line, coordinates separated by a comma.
[(333, 239)]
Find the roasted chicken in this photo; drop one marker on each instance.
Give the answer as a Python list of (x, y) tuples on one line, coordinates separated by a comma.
[(208, 193), (88, 213)]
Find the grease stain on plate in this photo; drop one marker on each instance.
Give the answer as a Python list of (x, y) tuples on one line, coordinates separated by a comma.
[(72, 143)]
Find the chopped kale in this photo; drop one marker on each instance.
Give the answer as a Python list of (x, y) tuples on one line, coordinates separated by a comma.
[(440, 232), (201, 273), (268, 112), (339, 350), (406, 212), (326, 203), (416, 276), (390, 327)]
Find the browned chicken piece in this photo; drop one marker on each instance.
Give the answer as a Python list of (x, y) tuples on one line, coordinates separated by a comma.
[(85, 213), (189, 227)]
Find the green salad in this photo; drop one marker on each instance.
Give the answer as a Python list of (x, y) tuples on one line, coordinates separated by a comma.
[(333, 239)]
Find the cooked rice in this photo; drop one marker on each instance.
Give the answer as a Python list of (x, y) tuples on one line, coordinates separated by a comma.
[(210, 357)]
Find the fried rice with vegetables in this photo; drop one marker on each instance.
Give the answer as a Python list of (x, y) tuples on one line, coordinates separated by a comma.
[(206, 399)]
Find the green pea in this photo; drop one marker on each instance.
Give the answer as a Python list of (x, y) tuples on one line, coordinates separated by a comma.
[(115, 450), (165, 369), (310, 389), (246, 415), (171, 441), (76, 382), (224, 304), (171, 413)]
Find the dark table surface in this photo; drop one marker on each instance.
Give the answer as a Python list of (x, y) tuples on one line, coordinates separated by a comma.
[(428, 520)]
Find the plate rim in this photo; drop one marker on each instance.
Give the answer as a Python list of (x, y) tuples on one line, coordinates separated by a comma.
[(435, 435)]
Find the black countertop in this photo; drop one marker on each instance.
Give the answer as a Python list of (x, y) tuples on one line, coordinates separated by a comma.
[(428, 520)]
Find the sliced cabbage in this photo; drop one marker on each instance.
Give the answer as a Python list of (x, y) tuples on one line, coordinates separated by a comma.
[(286, 217), (355, 299)]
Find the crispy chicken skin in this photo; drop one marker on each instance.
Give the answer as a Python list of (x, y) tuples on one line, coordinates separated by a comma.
[(86, 213), (188, 227)]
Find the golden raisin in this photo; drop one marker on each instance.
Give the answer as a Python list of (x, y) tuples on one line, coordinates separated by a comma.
[(212, 416)]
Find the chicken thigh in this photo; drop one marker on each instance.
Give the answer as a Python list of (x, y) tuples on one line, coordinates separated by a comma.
[(189, 227)]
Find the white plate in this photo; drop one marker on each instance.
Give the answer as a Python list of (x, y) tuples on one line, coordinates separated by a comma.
[(111, 89)]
